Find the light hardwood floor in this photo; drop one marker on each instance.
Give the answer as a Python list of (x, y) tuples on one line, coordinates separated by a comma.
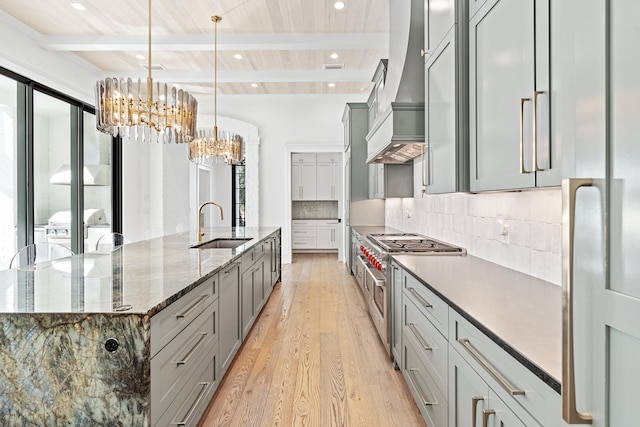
[(313, 359)]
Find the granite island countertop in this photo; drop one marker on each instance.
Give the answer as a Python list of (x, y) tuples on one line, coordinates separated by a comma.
[(521, 313), (139, 278), (58, 324)]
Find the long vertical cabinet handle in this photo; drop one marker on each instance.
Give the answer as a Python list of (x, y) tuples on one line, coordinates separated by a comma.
[(522, 102), (485, 416), (426, 178), (569, 411), (474, 409), (534, 158)]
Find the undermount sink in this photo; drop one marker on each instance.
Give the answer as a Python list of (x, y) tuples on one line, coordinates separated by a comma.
[(221, 243)]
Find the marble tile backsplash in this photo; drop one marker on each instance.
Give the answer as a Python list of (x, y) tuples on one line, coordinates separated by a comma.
[(519, 230), (322, 209)]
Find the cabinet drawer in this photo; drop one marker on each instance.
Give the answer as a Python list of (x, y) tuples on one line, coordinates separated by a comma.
[(172, 366), (495, 366), (303, 157), (303, 232), (432, 347), (428, 303), (248, 257), (194, 397), (302, 243), (174, 318), (429, 398)]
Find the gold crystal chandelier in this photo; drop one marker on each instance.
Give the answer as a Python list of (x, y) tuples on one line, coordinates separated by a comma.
[(149, 111), (212, 145)]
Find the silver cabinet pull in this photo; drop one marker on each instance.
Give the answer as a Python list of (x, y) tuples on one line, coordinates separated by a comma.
[(522, 168), (193, 307), (569, 409), (426, 175), (203, 335), (424, 52), (421, 340), (185, 420), (511, 390), (474, 409), (486, 413), (534, 105), (424, 400), (422, 301)]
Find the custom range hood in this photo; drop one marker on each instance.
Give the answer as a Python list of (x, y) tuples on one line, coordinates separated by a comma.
[(397, 133)]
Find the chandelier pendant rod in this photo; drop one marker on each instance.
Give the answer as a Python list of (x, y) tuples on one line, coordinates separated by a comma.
[(149, 78), (215, 19)]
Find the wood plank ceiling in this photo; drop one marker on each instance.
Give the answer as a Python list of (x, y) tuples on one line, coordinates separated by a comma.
[(284, 44)]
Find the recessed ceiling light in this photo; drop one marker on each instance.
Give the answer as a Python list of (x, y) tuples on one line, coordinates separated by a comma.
[(237, 56), (140, 57), (334, 56), (332, 85), (254, 84), (78, 6), (339, 5)]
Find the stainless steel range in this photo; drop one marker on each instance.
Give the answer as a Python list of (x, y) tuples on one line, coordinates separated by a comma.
[(376, 250)]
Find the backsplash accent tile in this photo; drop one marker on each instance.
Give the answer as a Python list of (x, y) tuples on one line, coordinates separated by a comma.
[(325, 209), (475, 222)]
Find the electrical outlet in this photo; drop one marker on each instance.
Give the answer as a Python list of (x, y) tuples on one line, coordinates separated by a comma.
[(503, 229)]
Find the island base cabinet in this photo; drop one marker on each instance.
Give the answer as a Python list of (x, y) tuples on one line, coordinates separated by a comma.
[(230, 334), (192, 400), (430, 400)]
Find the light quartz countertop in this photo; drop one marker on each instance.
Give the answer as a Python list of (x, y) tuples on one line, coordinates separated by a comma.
[(139, 278), (521, 313)]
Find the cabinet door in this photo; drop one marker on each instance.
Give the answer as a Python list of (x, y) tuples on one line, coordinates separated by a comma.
[(258, 285), (324, 237), (438, 20), (246, 311), (303, 176), (509, 74), (325, 182), (396, 311), (468, 393), (229, 309), (440, 166)]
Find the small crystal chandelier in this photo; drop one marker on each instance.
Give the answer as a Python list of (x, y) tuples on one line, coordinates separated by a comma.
[(151, 110), (214, 145)]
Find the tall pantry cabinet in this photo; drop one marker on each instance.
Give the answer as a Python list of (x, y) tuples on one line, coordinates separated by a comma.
[(509, 96)]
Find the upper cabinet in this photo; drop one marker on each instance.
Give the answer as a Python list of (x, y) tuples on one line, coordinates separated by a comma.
[(390, 180), (510, 145), (316, 176), (303, 176), (328, 173), (445, 160)]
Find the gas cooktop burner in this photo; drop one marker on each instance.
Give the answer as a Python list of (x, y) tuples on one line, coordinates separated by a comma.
[(411, 242)]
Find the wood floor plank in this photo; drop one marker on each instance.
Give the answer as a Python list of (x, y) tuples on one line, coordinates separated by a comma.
[(313, 358)]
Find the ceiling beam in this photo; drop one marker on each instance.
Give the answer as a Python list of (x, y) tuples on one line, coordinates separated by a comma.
[(262, 76), (204, 42)]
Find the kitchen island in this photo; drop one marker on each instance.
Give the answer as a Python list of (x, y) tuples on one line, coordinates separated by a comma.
[(77, 337)]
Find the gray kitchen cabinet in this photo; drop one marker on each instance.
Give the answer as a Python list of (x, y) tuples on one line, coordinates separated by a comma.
[(396, 311), (390, 180), (445, 161), (303, 176), (476, 403), (355, 179), (230, 334), (455, 371), (184, 356), (509, 97), (252, 295)]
